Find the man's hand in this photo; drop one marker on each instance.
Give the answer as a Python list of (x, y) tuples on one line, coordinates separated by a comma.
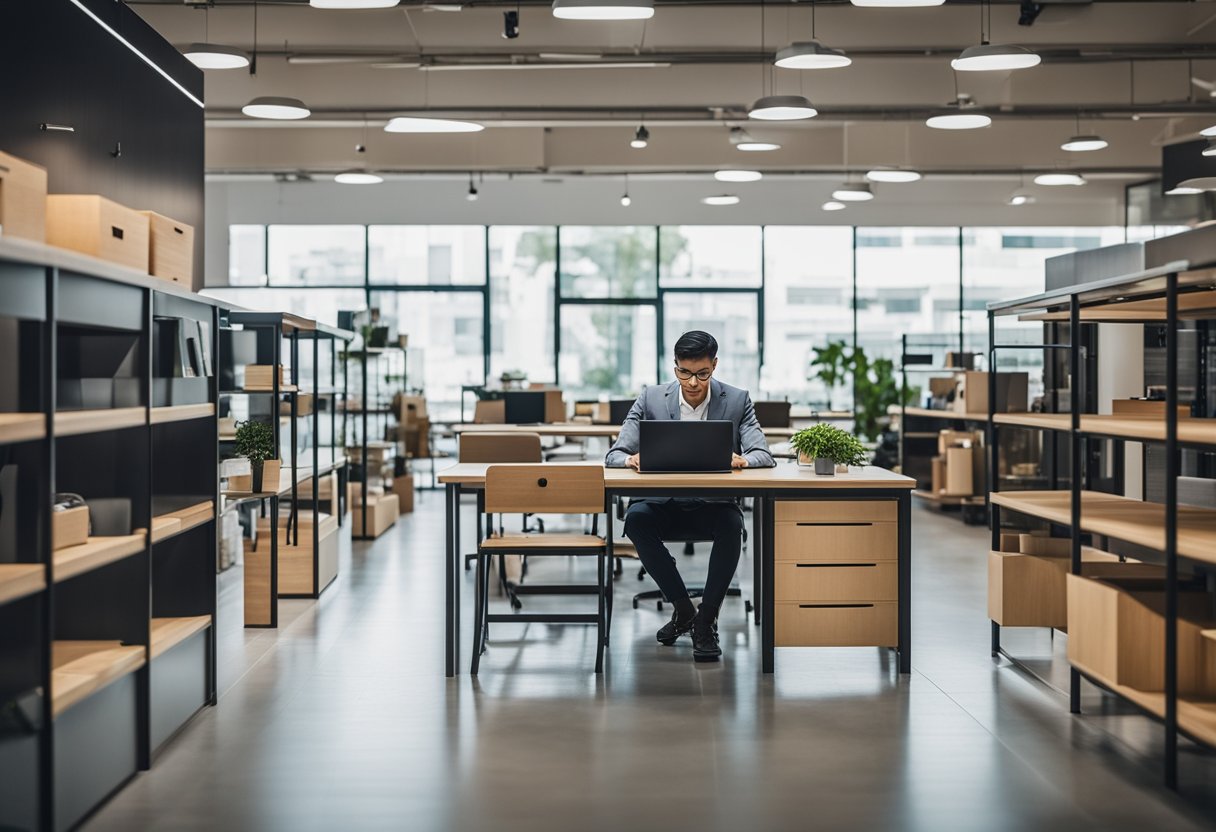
[(737, 461), (633, 461)]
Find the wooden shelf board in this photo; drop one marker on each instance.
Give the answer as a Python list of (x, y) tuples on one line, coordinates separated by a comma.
[(181, 413), (18, 580), (930, 413), (1151, 701), (99, 551), (1190, 305), (1198, 718), (1151, 428), (948, 499), (21, 427), (76, 422), (283, 388), (167, 633), (173, 523), (1208, 634), (81, 668), (1123, 518)]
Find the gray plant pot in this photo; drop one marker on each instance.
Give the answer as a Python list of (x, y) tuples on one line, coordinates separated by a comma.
[(825, 467)]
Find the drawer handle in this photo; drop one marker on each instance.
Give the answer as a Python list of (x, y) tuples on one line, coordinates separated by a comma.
[(116, 231), (178, 230), (835, 565), (835, 524), (834, 606)]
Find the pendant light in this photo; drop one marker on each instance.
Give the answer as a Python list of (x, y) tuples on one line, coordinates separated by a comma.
[(625, 200), (993, 57), (358, 177), (893, 175), (777, 107), (1020, 199), (811, 54), (1080, 143), (421, 124), (1198, 184), (352, 4), (721, 199), (742, 140), (896, 4), (275, 107), (641, 138), (471, 195), (957, 119), (833, 205), (1210, 150), (603, 9), (1180, 190), (1208, 131), (859, 192), (1059, 179), (206, 55), (738, 175)]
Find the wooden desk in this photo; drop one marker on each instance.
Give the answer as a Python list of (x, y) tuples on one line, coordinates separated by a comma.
[(581, 430), (802, 524)]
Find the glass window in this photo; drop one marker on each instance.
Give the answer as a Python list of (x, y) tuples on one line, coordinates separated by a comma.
[(246, 255), (609, 261), (317, 255), (607, 350), (710, 255), (907, 283), (731, 318), (433, 255), (445, 336), (522, 263), (318, 304), (808, 301)]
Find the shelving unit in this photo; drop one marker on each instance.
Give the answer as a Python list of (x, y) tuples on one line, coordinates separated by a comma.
[(374, 510), (1164, 645)]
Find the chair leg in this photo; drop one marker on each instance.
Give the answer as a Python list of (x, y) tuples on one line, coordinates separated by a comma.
[(479, 607), (485, 614), (599, 624)]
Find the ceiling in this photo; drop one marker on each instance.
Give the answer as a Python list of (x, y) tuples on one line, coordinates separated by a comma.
[(1120, 69)]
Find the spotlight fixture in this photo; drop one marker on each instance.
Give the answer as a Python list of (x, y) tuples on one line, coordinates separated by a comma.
[(833, 205), (1055, 179), (1210, 150), (721, 199), (215, 56), (471, 196), (352, 4), (896, 4), (958, 121), (603, 9), (641, 137), (994, 57), (860, 192), (276, 107), (811, 55), (893, 175), (418, 124), (510, 25), (358, 177), (738, 175), (742, 141), (782, 108), (1081, 144)]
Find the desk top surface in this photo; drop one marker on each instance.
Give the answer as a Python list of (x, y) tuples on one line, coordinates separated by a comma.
[(784, 475), (574, 429)]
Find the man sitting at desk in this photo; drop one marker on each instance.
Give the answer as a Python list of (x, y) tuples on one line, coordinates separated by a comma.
[(694, 395)]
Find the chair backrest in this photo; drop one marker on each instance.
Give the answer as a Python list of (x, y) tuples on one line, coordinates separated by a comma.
[(495, 446), (544, 489), (773, 414), (490, 412)]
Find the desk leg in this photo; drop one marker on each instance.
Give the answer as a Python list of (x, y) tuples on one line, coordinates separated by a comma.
[(766, 586), (905, 582), (758, 537), (451, 516), (274, 561)]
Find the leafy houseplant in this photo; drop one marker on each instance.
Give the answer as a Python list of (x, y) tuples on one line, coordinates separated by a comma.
[(875, 390), (831, 365), (829, 446), (255, 442)]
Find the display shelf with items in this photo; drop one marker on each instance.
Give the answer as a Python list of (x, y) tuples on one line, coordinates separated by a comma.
[(369, 413), (1136, 630)]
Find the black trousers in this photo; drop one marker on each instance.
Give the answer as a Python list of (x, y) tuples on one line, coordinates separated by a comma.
[(648, 524)]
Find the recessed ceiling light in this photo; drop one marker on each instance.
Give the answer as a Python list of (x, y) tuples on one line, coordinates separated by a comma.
[(782, 108), (352, 4), (603, 9), (861, 192), (742, 141), (958, 121), (893, 4), (1053, 179), (416, 124), (1081, 144), (721, 199), (994, 57), (811, 55), (215, 56), (893, 175), (358, 177), (276, 107), (833, 205), (738, 175)]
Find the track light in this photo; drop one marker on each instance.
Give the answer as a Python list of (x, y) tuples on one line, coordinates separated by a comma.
[(742, 141), (782, 108), (276, 107), (510, 25), (641, 137)]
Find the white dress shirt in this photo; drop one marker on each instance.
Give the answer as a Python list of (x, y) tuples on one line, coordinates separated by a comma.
[(698, 413)]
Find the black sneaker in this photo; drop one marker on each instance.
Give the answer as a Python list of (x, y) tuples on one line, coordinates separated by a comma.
[(705, 646), (675, 628)]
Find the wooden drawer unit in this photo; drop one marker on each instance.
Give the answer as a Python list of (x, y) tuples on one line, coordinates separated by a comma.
[(859, 624), (826, 581), (836, 511), (843, 542)]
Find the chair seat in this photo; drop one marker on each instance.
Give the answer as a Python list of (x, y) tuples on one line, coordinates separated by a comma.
[(624, 550), (517, 542)]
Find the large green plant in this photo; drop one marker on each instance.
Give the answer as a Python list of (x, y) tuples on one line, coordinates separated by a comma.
[(824, 441), (875, 390), (255, 441), (830, 365)]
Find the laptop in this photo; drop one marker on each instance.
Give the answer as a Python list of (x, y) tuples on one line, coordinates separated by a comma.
[(692, 447), (524, 407)]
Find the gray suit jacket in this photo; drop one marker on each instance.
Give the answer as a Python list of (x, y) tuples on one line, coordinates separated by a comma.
[(725, 402)]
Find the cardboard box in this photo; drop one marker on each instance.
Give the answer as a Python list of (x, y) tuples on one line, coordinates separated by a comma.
[(170, 249), (942, 386), (957, 439), (960, 360), (937, 476), (555, 406), (382, 511), (98, 227), (70, 527), (261, 376), (403, 487), (22, 199), (959, 479), (1012, 393)]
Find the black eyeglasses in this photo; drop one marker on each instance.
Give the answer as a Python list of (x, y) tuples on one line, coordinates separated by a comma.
[(685, 375)]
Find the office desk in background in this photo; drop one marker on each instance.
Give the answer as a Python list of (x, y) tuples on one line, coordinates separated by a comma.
[(833, 555), (575, 430)]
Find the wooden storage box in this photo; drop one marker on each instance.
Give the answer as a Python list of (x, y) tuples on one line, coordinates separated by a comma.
[(296, 576), (555, 406), (382, 513), (22, 199), (70, 527), (1148, 408), (272, 474), (1012, 393), (403, 487), (261, 376), (959, 463), (96, 226), (170, 249)]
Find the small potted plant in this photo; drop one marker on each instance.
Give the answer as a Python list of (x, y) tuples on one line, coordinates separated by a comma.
[(255, 442), (829, 447)]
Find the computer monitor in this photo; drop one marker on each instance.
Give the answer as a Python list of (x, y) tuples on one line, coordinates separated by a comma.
[(524, 407), (773, 414), (618, 409)]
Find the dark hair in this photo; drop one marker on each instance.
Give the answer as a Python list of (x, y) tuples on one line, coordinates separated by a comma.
[(696, 344)]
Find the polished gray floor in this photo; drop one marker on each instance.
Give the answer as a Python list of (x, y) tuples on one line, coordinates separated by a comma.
[(342, 719)]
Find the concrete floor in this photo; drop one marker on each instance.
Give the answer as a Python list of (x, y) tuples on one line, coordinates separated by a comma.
[(342, 719)]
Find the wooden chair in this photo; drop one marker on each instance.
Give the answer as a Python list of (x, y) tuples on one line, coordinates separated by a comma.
[(548, 489), (499, 446)]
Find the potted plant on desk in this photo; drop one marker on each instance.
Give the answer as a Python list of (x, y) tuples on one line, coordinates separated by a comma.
[(829, 447), (255, 442)]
